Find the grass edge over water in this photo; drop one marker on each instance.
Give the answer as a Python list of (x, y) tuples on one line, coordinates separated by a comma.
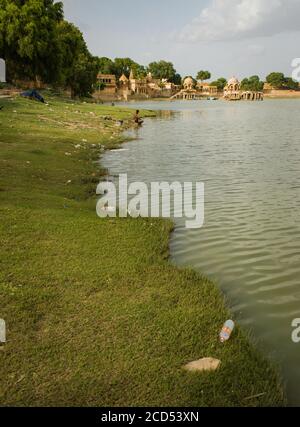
[(96, 314)]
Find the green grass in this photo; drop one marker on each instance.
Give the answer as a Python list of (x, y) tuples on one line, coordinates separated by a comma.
[(96, 315)]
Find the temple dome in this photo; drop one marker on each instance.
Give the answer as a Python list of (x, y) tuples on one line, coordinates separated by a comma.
[(233, 81), (188, 81)]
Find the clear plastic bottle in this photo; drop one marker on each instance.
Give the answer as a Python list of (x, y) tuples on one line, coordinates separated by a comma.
[(227, 330)]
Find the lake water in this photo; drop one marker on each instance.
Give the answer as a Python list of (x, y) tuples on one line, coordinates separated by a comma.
[(248, 156)]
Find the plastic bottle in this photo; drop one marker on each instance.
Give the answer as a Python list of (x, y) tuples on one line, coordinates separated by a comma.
[(227, 331)]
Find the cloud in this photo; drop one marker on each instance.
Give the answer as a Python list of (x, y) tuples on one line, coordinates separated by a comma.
[(232, 19), (256, 49)]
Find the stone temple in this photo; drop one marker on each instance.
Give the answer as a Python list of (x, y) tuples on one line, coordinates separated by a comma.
[(233, 92)]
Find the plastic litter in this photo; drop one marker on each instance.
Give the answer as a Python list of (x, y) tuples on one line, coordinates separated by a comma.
[(227, 330)]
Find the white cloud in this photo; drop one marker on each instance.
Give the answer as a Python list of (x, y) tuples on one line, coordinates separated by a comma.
[(231, 19)]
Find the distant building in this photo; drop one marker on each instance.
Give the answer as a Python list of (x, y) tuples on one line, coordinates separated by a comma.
[(146, 87), (207, 89), (137, 86), (123, 80), (2, 71), (126, 87), (188, 83), (195, 91), (109, 83), (233, 92)]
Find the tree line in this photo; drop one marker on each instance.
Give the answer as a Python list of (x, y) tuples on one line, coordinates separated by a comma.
[(159, 70), (275, 80), (37, 43)]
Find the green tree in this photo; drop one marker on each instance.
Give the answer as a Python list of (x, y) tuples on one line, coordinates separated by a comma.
[(276, 80), (84, 76), (106, 66), (291, 84), (163, 70), (139, 71), (28, 38), (245, 84), (80, 68), (279, 81), (177, 79), (203, 75), (124, 66), (253, 83), (220, 83)]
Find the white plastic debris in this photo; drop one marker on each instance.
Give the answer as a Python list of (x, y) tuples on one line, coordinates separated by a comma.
[(227, 331), (202, 365)]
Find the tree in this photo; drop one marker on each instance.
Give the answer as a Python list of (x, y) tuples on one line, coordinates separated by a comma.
[(252, 84), (177, 79), (38, 44), (220, 83), (203, 75), (291, 84), (28, 38), (84, 75), (276, 80), (124, 66), (106, 66), (79, 68), (139, 71), (279, 81), (163, 70)]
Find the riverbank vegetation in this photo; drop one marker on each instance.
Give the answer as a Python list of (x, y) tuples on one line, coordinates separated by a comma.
[(96, 314)]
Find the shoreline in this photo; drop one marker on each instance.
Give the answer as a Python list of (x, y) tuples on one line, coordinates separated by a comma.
[(143, 317), (277, 95)]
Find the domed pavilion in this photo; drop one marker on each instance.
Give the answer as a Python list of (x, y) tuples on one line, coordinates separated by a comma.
[(188, 83), (233, 92)]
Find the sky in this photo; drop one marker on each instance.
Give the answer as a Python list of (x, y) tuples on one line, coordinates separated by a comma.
[(227, 37)]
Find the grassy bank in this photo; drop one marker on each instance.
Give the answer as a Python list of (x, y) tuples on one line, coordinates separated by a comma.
[(95, 313)]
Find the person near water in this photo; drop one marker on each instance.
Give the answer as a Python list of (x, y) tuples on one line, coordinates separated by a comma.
[(137, 118)]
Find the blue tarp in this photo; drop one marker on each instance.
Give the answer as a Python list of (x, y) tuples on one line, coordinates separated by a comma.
[(33, 94)]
